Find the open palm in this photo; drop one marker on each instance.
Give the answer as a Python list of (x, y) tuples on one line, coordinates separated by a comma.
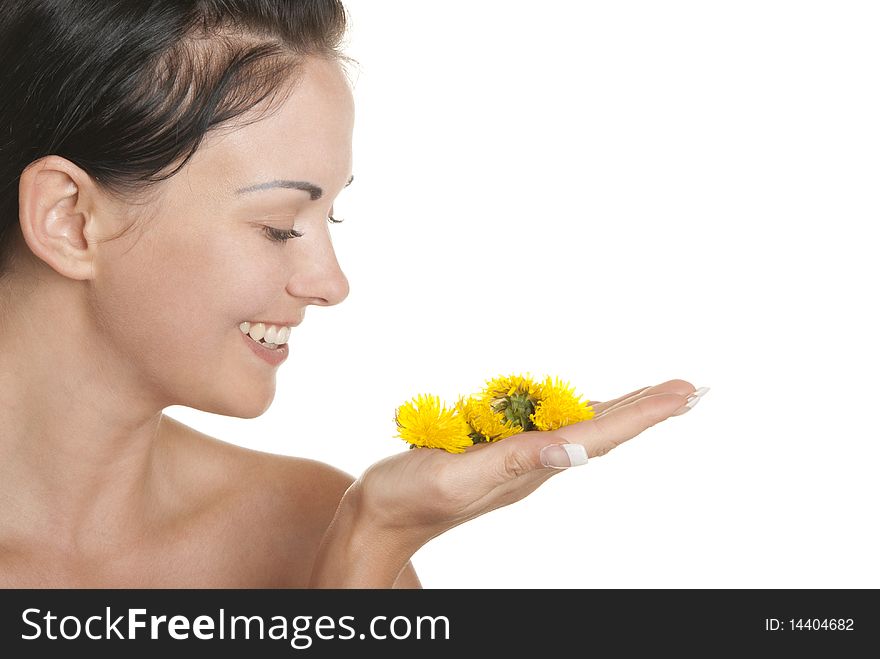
[(429, 491)]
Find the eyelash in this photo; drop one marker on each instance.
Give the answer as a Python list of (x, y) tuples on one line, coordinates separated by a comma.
[(283, 235)]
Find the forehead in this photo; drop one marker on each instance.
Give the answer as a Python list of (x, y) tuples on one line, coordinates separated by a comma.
[(307, 134)]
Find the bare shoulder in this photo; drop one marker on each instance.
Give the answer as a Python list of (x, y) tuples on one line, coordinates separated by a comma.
[(269, 510), (238, 469)]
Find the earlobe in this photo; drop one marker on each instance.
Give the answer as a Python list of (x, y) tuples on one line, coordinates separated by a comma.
[(54, 215)]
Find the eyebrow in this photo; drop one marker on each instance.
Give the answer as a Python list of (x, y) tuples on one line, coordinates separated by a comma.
[(315, 192)]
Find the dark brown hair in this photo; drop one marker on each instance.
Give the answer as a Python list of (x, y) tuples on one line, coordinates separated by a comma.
[(128, 89)]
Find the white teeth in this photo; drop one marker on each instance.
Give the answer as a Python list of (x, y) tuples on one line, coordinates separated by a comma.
[(273, 335)]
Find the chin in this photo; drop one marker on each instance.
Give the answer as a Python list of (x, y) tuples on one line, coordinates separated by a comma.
[(236, 404)]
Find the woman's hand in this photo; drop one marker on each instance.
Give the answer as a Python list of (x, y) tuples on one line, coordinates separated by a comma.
[(401, 502), (434, 490)]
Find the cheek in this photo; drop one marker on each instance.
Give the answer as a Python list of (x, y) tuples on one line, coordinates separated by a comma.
[(145, 289), (169, 310), (163, 286)]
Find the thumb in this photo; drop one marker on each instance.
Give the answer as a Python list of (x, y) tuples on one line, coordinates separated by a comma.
[(562, 454), (531, 451)]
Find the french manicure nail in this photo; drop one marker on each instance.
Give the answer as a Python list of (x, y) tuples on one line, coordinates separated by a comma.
[(699, 393), (563, 456), (692, 401)]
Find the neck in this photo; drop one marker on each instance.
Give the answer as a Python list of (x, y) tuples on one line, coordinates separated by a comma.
[(78, 436)]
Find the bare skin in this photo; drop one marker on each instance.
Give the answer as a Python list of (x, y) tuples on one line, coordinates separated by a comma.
[(98, 488), (252, 531), (97, 485), (451, 489), (235, 518)]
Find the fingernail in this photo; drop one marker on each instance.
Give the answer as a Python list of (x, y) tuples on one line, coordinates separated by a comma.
[(692, 401), (563, 456), (699, 393)]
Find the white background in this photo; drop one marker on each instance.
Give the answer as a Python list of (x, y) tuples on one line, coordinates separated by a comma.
[(617, 193)]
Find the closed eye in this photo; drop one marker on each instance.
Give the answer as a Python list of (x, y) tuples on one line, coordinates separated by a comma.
[(283, 235)]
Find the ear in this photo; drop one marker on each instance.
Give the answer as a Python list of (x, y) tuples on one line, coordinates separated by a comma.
[(56, 200)]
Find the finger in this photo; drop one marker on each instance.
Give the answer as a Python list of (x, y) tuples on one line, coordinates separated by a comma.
[(601, 406), (602, 433), (519, 464), (526, 457), (670, 386), (537, 455)]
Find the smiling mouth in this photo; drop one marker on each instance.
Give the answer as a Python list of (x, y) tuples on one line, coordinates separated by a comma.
[(269, 337), (264, 343), (269, 352)]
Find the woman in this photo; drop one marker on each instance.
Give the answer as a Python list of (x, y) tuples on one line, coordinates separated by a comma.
[(168, 175)]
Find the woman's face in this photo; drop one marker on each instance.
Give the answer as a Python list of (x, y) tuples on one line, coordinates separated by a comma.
[(170, 297)]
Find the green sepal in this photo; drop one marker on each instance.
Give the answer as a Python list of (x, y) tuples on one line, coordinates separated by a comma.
[(516, 408), (477, 438)]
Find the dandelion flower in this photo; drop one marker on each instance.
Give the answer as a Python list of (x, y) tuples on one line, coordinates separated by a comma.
[(559, 406), (507, 385), (507, 405), (487, 424), (425, 421), (514, 398)]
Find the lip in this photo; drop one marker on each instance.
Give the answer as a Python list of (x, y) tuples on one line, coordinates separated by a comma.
[(272, 357)]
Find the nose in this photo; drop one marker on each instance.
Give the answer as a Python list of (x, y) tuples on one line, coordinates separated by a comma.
[(317, 276)]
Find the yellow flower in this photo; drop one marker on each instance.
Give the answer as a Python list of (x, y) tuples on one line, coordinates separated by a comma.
[(559, 406), (503, 386), (488, 425), (425, 421), (507, 405), (513, 398)]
